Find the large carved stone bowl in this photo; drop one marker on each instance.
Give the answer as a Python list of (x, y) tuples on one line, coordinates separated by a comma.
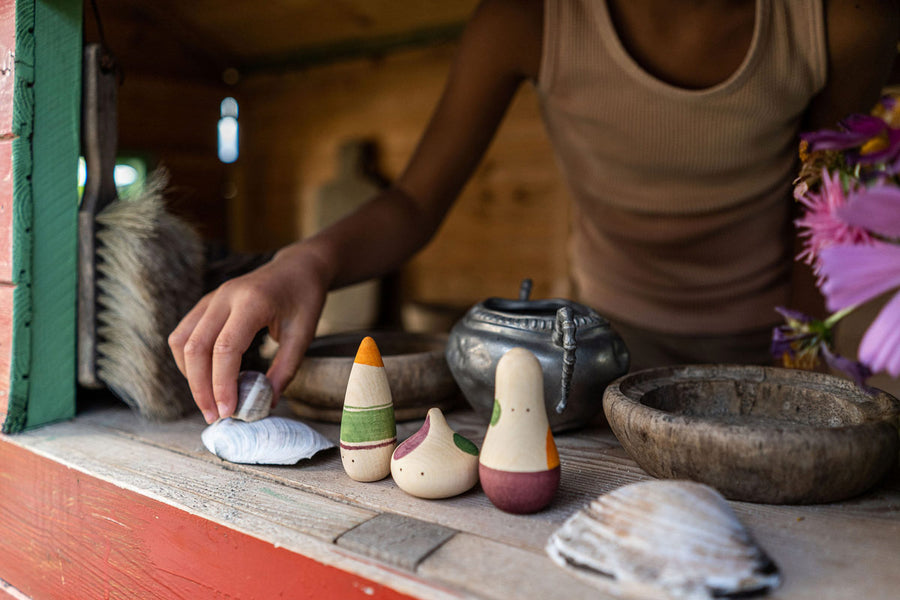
[(760, 434), (416, 369)]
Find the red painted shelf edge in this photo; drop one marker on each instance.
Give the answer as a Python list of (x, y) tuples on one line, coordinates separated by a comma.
[(67, 534)]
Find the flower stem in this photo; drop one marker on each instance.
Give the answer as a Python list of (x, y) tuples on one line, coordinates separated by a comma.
[(832, 320)]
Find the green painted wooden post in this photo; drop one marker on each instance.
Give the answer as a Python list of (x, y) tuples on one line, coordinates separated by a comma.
[(46, 121)]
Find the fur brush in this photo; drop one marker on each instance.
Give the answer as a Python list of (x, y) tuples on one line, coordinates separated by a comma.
[(149, 275)]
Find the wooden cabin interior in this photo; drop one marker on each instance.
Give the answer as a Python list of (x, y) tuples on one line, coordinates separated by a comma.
[(309, 78), (327, 95)]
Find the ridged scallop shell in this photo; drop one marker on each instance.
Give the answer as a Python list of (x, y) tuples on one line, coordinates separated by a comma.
[(663, 539), (254, 396), (269, 441)]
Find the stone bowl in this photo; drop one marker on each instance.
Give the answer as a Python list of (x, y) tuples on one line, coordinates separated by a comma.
[(416, 369), (759, 434)]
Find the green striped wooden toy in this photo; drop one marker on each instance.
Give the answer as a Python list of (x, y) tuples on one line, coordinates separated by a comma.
[(368, 429)]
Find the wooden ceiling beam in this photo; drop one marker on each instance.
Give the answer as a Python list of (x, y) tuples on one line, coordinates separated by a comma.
[(349, 49)]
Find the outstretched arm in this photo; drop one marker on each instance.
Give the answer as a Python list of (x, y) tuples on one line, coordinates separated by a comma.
[(500, 47)]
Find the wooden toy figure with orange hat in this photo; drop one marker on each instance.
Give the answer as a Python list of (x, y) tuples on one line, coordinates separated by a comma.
[(519, 464), (368, 428)]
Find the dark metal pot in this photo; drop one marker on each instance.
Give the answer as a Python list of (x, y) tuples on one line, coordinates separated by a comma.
[(579, 353)]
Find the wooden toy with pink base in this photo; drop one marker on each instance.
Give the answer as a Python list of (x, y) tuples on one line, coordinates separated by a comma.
[(519, 465)]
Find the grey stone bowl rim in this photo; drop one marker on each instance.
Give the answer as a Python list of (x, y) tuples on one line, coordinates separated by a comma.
[(877, 411), (322, 347), (868, 404)]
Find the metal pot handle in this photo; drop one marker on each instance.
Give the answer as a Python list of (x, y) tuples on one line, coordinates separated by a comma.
[(564, 336)]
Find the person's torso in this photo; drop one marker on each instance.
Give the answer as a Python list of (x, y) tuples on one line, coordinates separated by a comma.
[(682, 195)]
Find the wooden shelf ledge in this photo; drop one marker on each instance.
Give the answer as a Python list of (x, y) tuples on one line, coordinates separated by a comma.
[(107, 505)]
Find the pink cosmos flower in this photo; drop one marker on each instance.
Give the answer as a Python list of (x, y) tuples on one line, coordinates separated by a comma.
[(858, 273), (822, 226), (875, 209), (851, 231)]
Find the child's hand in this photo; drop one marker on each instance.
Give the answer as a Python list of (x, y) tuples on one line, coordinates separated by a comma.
[(286, 295)]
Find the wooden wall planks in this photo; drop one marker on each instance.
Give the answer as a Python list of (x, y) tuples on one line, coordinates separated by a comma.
[(42, 245), (169, 106), (510, 222), (6, 332), (6, 208), (7, 64), (55, 146), (7, 84), (172, 123)]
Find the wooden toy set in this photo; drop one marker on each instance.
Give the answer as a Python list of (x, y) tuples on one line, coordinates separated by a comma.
[(518, 466)]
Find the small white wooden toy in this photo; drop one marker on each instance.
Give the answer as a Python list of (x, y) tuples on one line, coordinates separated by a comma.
[(254, 396), (435, 462), (519, 464), (368, 429)]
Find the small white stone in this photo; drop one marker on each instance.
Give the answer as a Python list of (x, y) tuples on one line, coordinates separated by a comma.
[(254, 396)]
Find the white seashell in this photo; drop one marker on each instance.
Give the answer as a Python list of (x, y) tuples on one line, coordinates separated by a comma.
[(254, 396), (269, 441), (663, 539)]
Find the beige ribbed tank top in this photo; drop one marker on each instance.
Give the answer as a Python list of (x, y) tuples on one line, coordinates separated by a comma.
[(682, 197)]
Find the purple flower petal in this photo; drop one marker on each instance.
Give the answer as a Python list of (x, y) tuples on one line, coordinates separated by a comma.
[(858, 372), (880, 346), (781, 343), (867, 125), (857, 273), (876, 208), (793, 314), (855, 130), (886, 155), (832, 140)]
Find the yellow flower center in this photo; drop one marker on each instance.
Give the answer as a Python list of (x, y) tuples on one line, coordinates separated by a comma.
[(804, 150), (891, 117), (805, 361), (876, 144)]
